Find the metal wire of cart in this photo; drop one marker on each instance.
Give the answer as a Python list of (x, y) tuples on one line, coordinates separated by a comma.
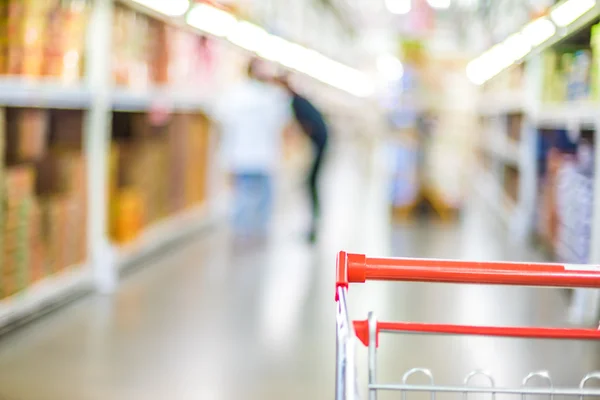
[(357, 268)]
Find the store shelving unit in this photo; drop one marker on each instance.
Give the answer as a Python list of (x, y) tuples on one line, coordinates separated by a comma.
[(97, 97), (502, 111), (557, 200)]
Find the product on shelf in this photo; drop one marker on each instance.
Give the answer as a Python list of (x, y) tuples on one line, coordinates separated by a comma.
[(26, 134), (148, 52), (2, 180), (595, 64), (20, 230), (66, 129), (568, 74), (43, 193), (556, 153), (43, 38), (127, 216), (197, 169), (575, 195), (176, 154)]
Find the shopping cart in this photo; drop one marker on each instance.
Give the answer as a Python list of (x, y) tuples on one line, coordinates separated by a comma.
[(357, 268)]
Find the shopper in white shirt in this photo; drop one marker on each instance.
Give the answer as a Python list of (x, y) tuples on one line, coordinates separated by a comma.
[(253, 116)]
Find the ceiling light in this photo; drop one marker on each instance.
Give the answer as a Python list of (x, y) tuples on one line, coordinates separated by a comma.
[(390, 67), (273, 48), (248, 36), (516, 47), (567, 12), (475, 72), (211, 20), (538, 31), (172, 8), (439, 4), (398, 6)]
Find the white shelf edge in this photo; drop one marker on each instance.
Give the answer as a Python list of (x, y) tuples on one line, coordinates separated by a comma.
[(132, 100), (45, 293), (564, 115), (502, 103), (23, 92), (165, 232)]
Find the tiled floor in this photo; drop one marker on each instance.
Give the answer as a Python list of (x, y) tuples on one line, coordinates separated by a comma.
[(212, 320)]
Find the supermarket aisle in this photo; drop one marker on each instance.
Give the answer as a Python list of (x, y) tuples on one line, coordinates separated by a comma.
[(212, 321)]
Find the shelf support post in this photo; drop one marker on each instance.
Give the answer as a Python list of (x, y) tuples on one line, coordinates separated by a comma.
[(97, 142)]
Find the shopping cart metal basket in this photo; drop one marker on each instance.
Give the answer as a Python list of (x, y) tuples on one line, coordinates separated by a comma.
[(357, 268)]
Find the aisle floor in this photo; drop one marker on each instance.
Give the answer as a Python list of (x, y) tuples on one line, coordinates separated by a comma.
[(213, 320)]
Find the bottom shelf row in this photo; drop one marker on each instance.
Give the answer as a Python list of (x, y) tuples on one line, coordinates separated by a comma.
[(78, 279)]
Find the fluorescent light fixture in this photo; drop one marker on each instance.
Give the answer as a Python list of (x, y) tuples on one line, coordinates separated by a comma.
[(538, 31), (270, 47), (493, 61), (273, 48), (567, 12), (440, 4), (211, 20), (293, 56), (390, 67), (475, 73), (398, 6), (249, 36), (171, 8), (516, 47)]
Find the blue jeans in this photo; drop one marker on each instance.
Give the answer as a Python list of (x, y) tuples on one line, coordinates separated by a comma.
[(253, 203)]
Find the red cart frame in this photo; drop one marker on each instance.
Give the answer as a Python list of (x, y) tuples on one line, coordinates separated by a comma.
[(357, 268)]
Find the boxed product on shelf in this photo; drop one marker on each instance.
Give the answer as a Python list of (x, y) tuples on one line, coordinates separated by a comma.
[(19, 228), (66, 129), (54, 232), (131, 32), (568, 74), (4, 39), (66, 25), (178, 133), (198, 152), (575, 198), (2, 183), (60, 172), (557, 152), (26, 134), (158, 55), (127, 215), (595, 63), (27, 35)]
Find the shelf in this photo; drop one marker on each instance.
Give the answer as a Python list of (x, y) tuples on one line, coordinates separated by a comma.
[(564, 115), (44, 295), (502, 103), (131, 100), (164, 233), (20, 92)]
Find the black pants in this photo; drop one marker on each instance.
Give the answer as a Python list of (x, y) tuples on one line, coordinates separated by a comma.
[(313, 183)]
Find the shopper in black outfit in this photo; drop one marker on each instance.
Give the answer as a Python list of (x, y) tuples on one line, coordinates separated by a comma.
[(313, 124)]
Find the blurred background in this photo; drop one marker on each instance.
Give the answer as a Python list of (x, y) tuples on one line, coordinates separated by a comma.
[(177, 177)]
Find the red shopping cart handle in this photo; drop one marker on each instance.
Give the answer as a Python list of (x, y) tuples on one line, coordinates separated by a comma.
[(357, 268), (361, 329)]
